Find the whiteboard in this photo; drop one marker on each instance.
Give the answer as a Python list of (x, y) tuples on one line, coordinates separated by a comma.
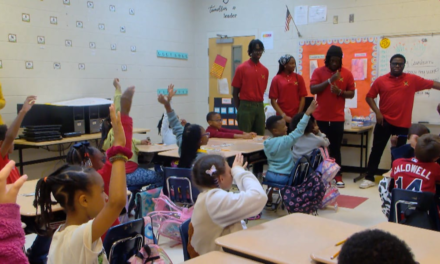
[(422, 55)]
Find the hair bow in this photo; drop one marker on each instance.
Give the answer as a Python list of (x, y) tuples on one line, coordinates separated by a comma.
[(211, 171)]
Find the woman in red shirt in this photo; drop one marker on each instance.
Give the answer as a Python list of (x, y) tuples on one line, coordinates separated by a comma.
[(287, 90)]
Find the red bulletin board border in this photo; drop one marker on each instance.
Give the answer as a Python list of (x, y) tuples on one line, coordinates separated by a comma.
[(353, 48)]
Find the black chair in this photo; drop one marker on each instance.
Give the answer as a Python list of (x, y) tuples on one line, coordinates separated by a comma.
[(315, 158), (123, 241), (178, 185), (184, 236), (418, 209)]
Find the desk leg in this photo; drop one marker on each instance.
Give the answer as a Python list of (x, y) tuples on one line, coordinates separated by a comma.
[(362, 150), (366, 150), (20, 158)]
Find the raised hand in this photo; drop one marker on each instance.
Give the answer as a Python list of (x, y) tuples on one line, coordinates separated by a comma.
[(9, 194), (335, 76), (312, 107), (118, 130), (116, 84), (239, 161), (171, 92), (28, 103)]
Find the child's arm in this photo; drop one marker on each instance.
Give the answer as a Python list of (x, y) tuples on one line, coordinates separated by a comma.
[(12, 237), (12, 132), (118, 187), (290, 139), (229, 208), (172, 117), (118, 94)]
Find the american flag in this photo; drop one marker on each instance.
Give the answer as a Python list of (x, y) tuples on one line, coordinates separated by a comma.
[(288, 19)]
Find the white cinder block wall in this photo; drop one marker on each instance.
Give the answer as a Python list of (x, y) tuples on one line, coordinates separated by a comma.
[(173, 25), (156, 25), (371, 18)]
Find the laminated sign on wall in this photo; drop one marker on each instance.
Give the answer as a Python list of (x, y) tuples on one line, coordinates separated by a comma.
[(218, 67)]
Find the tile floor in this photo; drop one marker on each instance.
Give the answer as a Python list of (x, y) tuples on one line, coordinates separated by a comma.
[(366, 214)]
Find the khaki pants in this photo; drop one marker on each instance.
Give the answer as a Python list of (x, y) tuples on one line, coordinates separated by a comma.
[(250, 117)]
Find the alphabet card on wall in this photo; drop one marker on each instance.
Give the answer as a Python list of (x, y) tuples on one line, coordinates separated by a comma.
[(41, 40), (25, 17), (12, 38), (131, 11), (81, 66), (79, 24), (57, 65), (90, 4), (29, 65), (172, 55), (53, 20)]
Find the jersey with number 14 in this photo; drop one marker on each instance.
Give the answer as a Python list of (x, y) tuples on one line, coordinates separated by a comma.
[(413, 175)]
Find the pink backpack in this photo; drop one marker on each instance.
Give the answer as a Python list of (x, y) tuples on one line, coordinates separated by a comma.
[(328, 167), (167, 218)]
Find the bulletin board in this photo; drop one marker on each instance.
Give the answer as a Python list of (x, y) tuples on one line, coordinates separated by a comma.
[(360, 57)]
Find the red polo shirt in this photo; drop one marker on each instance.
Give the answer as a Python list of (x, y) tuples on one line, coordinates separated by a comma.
[(331, 106), (14, 174), (397, 96), (251, 79), (288, 90)]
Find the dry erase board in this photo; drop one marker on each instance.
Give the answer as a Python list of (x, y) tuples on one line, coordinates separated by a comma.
[(422, 55)]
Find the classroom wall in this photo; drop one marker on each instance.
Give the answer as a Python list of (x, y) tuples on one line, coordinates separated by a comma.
[(156, 25), (371, 18)]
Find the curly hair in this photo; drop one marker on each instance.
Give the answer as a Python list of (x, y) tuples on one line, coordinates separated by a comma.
[(375, 246)]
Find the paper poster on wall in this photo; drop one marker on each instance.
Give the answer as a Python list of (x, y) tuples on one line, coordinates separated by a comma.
[(222, 85), (359, 69), (231, 110), (218, 66), (313, 67), (300, 16), (353, 102), (224, 122), (230, 122), (224, 110), (217, 109), (317, 14), (267, 39)]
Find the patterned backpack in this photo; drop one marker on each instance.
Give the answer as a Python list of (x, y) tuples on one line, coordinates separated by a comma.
[(328, 167), (305, 197)]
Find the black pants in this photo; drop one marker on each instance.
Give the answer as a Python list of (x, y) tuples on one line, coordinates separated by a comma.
[(381, 136), (334, 132)]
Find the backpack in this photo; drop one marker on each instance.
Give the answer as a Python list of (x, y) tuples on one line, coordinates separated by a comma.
[(385, 195), (328, 167), (144, 201), (330, 197), (150, 254), (167, 218), (305, 197)]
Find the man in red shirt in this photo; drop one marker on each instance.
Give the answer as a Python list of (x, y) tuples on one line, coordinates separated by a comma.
[(396, 90), (421, 173), (332, 84), (250, 82)]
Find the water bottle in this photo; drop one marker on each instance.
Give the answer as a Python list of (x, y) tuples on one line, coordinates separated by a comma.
[(348, 117)]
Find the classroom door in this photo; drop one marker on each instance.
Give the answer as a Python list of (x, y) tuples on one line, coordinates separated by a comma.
[(235, 53)]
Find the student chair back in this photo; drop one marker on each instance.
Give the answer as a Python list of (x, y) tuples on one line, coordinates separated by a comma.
[(123, 241), (301, 170), (315, 158), (418, 209), (178, 185), (185, 237)]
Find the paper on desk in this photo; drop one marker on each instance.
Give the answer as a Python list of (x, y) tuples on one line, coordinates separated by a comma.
[(223, 87)]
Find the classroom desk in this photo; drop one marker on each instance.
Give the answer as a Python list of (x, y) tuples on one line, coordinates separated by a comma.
[(218, 257), (21, 144), (423, 242), (289, 239), (155, 148), (175, 153), (362, 132)]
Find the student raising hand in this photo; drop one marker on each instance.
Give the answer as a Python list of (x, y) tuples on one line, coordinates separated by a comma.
[(118, 130), (116, 84), (171, 92), (28, 103), (238, 161), (312, 107), (9, 195)]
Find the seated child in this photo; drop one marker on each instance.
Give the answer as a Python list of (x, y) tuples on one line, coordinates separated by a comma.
[(89, 211), (189, 138), (312, 138), (12, 237), (218, 212), (168, 138), (278, 148), (216, 131), (7, 137), (422, 172), (375, 246), (407, 150)]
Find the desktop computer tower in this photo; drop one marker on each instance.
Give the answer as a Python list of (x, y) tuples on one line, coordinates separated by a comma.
[(71, 118), (93, 117)]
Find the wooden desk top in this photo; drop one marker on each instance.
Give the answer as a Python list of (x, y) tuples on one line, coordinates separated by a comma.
[(175, 153), (359, 129), (423, 242), (84, 137), (218, 257), (26, 196), (293, 238), (156, 148)]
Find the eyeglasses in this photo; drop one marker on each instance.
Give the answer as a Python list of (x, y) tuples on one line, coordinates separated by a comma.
[(397, 64), (207, 134)]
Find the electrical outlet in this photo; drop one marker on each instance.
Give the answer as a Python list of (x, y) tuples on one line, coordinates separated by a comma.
[(112, 8), (101, 26), (57, 65), (66, 2), (113, 46), (68, 43), (12, 38), (131, 11), (41, 40), (79, 24), (25, 17), (133, 48), (29, 65), (123, 29), (92, 45), (81, 66), (53, 20), (90, 4), (124, 67)]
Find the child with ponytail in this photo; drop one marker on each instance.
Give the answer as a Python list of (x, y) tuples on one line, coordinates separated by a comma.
[(218, 212), (89, 211)]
